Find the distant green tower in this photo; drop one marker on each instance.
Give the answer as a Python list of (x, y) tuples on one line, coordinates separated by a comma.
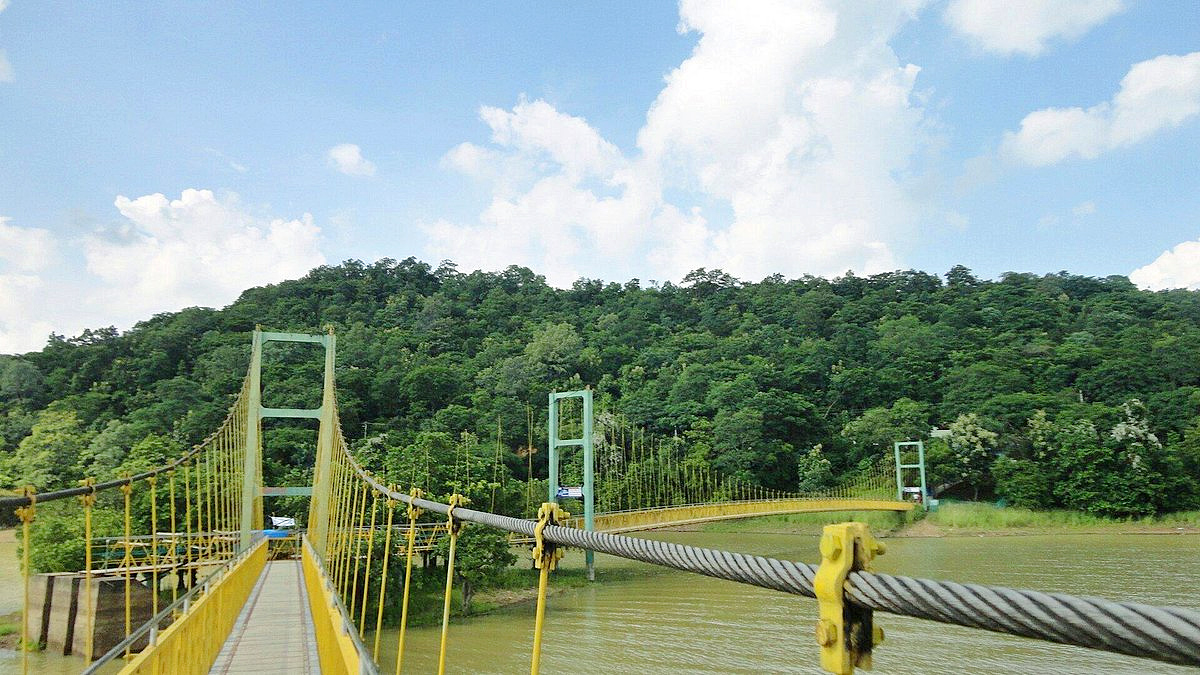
[(588, 492), (901, 488)]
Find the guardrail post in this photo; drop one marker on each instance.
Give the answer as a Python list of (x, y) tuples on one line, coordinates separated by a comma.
[(545, 558), (845, 632)]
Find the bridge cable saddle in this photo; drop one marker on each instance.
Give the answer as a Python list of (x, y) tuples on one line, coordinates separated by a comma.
[(845, 631)]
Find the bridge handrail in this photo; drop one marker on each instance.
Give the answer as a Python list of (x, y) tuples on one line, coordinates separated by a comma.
[(1168, 634), (764, 500), (181, 605), (330, 619)]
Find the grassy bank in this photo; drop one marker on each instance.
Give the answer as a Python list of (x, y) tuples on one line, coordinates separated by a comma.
[(975, 518), (966, 518)]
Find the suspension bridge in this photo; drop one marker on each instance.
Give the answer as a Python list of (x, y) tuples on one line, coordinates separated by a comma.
[(239, 602)]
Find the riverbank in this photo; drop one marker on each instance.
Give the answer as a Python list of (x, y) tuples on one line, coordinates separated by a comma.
[(968, 519), (984, 519), (10, 631)]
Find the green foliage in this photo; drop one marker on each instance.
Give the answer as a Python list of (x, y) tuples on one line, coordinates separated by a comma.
[(48, 458), (58, 536), (482, 556), (20, 380), (1023, 483), (971, 448), (1072, 463), (749, 376), (815, 471), (873, 433)]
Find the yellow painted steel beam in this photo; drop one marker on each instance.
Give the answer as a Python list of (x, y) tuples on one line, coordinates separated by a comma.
[(335, 647), (191, 643)]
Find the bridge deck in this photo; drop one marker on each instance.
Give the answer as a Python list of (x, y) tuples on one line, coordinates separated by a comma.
[(274, 633)]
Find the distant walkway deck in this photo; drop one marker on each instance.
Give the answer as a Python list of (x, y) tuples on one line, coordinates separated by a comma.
[(274, 633)]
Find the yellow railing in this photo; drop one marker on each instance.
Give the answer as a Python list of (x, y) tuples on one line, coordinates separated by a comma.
[(337, 647), (191, 644), (649, 519)]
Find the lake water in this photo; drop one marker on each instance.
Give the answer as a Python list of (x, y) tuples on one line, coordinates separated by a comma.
[(641, 619)]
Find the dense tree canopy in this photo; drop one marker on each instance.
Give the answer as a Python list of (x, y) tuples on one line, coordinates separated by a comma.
[(1060, 390)]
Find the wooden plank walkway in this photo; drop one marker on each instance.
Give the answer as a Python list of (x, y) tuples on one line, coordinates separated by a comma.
[(274, 632)]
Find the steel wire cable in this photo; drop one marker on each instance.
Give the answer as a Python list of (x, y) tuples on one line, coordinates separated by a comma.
[(1169, 634)]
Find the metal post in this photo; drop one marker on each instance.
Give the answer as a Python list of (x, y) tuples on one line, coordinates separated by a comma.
[(552, 425), (250, 479), (920, 465), (924, 487), (318, 519), (252, 490), (899, 474), (589, 479)]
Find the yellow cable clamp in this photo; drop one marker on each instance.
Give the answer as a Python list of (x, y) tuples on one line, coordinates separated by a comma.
[(455, 501), (26, 513), (88, 499), (413, 511), (544, 552), (845, 631)]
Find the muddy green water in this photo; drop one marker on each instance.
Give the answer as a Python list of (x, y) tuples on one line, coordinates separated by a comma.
[(642, 619)]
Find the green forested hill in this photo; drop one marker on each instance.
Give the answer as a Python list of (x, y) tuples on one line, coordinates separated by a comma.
[(1061, 390)]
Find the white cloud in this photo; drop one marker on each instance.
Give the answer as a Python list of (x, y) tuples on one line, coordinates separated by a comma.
[(163, 256), (1084, 209), (348, 158), (1026, 26), (195, 250), (796, 117), (228, 161), (1048, 220), (24, 252), (1155, 95), (25, 249), (6, 70), (1176, 268), (21, 327)]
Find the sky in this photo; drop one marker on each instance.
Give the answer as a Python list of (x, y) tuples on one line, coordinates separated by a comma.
[(156, 156)]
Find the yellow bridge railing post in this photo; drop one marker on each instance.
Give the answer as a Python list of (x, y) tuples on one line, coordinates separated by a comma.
[(127, 560), (845, 632), (173, 556), (88, 500), (26, 515), (362, 611), (454, 525), (545, 557), (387, 554), (413, 514), (153, 481)]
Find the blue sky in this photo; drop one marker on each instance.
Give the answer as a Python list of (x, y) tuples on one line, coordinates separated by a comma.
[(171, 154)]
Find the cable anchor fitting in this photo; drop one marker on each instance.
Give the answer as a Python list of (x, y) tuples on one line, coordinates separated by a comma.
[(547, 553), (413, 510), (26, 513), (845, 631), (455, 524), (88, 499)]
